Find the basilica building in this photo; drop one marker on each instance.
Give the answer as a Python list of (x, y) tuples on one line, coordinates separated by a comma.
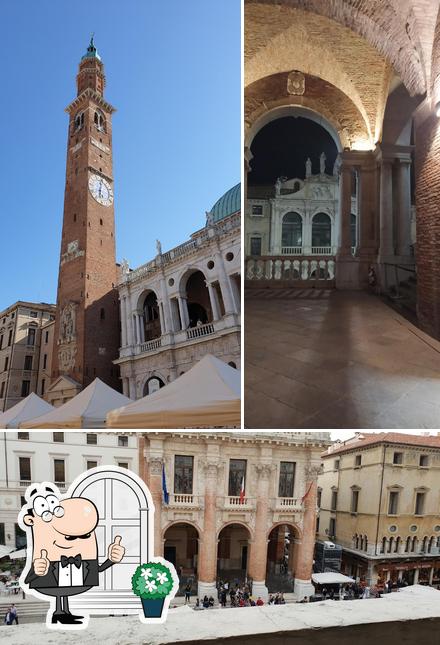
[(183, 304)]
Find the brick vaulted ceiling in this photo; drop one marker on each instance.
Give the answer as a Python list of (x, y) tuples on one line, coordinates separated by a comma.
[(355, 45)]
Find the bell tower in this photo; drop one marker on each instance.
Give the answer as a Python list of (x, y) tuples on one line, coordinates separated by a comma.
[(86, 336)]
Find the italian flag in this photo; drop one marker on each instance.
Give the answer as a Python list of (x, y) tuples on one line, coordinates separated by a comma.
[(242, 491)]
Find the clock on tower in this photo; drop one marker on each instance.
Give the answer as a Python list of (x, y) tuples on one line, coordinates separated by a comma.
[(87, 321)]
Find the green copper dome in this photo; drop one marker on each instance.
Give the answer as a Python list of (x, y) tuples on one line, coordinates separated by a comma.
[(228, 204), (91, 51)]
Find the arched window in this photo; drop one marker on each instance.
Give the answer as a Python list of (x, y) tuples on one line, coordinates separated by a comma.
[(424, 545), (390, 545), (152, 328), (365, 543), (384, 545), (356, 541), (321, 230), (414, 544), (153, 385), (397, 545), (408, 545), (79, 121), (296, 187), (99, 121), (431, 543), (292, 230), (353, 230)]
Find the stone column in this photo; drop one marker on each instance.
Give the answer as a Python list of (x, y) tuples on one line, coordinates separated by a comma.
[(125, 386), (132, 387), (366, 211), (235, 293), (167, 315), (123, 322), (416, 576), (431, 576), (303, 573), (129, 319), (258, 555), (161, 318), (207, 561), (155, 485), (386, 233), (213, 300), (344, 236), (183, 309), (404, 208)]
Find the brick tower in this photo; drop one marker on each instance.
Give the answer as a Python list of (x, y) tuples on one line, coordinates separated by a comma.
[(86, 337)]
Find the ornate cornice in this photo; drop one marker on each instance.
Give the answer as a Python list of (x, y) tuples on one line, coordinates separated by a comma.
[(87, 94)]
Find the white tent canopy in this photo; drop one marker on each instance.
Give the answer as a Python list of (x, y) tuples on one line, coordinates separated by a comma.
[(5, 550), (206, 396), (87, 409), (32, 406), (17, 555), (331, 578)]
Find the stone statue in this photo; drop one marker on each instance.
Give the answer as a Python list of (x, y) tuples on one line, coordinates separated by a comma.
[(322, 160), (209, 218), (125, 268), (158, 247), (278, 186), (308, 167)]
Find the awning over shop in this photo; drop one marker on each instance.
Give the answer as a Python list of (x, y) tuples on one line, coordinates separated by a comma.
[(331, 578)]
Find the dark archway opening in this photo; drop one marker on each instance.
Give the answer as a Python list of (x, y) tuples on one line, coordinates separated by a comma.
[(181, 547), (199, 305), (233, 553)]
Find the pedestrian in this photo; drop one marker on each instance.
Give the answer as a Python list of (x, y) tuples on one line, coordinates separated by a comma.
[(206, 602), (198, 606), (7, 619), (13, 615), (188, 593), (211, 601), (281, 599), (260, 602)]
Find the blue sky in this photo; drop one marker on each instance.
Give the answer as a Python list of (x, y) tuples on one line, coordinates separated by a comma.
[(173, 73)]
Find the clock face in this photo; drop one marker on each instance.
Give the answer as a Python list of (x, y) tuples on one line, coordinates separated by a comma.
[(101, 190)]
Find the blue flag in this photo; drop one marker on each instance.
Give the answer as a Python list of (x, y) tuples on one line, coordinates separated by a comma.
[(166, 495)]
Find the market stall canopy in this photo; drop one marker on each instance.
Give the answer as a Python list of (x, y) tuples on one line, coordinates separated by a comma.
[(207, 396), (331, 578), (5, 550), (17, 555), (87, 409), (32, 406)]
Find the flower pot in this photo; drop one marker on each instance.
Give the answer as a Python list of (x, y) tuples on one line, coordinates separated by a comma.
[(153, 608)]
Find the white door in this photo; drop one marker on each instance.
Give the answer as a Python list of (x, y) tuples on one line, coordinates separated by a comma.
[(123, 510)]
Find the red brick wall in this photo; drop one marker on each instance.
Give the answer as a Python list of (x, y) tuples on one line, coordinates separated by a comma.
[(427, 161)]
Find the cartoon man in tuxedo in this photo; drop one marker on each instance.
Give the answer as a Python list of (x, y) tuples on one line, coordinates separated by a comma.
[(64, 558)]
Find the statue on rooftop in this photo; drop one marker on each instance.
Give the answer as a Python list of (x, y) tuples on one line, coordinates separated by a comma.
[(308, 167), (158, 247), (322, 160)]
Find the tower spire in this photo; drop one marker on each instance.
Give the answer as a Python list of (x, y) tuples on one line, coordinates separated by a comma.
[(92, 52)]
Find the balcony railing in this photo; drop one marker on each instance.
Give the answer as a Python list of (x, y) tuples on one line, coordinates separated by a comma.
[(234, 502), (288, 503), (151, 345), (321, 250), (180, 499), (282, 269), (201, 330), (291, 250)]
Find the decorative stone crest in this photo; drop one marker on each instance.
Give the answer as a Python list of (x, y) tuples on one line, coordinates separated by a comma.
[(72, 252), (155, 465), (67, 331), (264, 470), (312, 472), (296, 83), (66, 357)]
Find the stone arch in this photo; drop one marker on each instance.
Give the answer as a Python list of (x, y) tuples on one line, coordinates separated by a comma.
[(232, 554), (257, 120), (146, 389), (239, 523), (291, 524), (149, 308), (292, 229), (181, 547), (189, 522), (407, 50), (322, 229), (192, 286)]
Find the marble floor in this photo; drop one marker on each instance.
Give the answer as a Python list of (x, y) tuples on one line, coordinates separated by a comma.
[(333, 359)]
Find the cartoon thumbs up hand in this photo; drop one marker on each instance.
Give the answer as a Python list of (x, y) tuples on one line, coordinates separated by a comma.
[(115, 550), (41, 564)]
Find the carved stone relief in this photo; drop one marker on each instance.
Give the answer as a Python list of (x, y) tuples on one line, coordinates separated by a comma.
[(296, 83)]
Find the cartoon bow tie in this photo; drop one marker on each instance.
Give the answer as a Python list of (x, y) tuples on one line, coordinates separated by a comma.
[(77, 560)]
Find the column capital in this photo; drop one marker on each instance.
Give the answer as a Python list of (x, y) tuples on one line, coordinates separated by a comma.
[(212, 467), (312, 472), (264, 471), (156, 465)]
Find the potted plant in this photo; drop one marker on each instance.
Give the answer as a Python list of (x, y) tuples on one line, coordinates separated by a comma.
[(156, 583)]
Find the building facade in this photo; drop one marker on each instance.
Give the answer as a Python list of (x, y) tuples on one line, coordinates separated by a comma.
[(86, 334), (299, 216), (241, 506), (23, 345), (379, 499), (27, 457), (183, 304)]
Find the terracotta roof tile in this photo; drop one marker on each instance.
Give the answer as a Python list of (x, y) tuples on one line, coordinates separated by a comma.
[(370, 439)]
